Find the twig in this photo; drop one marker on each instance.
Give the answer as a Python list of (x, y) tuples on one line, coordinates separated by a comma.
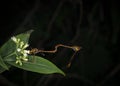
[(6, 82), (81, 78), (47, 79), (79, 23), (55, 14), (74, 48), (77, 31), (49, 27), (25, 80), (41, 80), (90, 21), (110, 75), (28, 16)]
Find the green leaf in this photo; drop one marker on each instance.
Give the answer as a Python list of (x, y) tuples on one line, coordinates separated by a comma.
[(9, 48), (2, 64), (2, 69), (39, 65), (24, 36)]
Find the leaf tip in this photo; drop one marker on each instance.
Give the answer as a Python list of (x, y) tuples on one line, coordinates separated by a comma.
[(30, 31)]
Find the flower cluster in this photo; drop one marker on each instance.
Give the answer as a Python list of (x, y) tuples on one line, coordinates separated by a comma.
[(21, 52)]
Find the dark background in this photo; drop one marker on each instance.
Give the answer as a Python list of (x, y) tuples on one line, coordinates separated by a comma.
[(93, 25)]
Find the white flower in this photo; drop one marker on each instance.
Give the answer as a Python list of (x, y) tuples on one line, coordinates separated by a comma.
[(14, 39), (18, 40), (27, 51), (18, 49), (22, 54), (25, 55), (21, 44), (25, 59), (25, 46), (18, 61)]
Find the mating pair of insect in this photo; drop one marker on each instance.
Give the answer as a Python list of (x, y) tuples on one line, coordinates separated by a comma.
[(74, 48)]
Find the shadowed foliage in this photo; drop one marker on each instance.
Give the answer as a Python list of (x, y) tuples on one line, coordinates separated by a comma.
[(93, 25)]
